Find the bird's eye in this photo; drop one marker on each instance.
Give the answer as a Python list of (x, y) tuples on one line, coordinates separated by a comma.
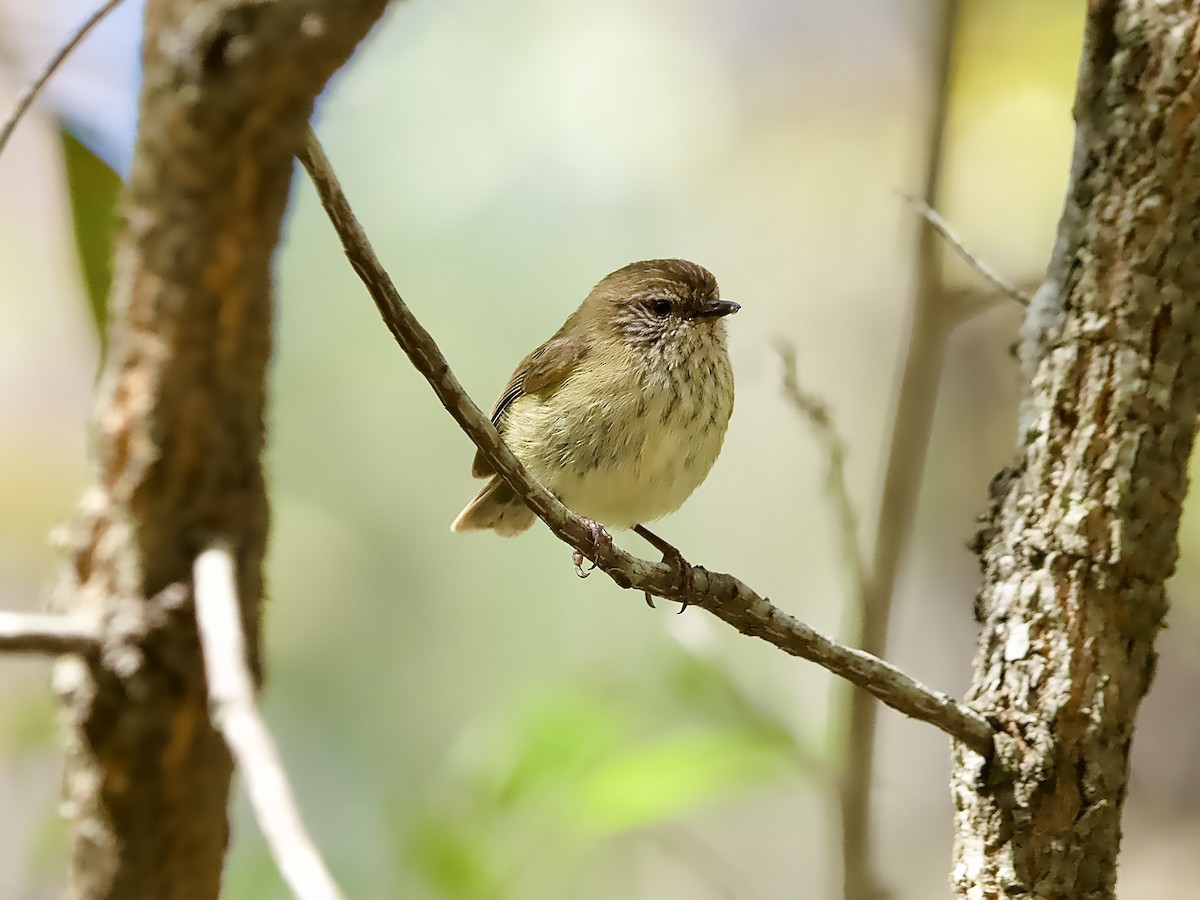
[(661, 307)]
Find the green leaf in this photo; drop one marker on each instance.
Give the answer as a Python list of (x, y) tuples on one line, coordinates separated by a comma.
[(560, 737), (453, 861), (663, 779), (93, 188), (708, 689)]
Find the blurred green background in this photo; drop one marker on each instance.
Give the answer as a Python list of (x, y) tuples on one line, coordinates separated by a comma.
[(461, 716)]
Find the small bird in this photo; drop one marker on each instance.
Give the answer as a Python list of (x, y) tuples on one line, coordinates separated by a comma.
[(623, 412)]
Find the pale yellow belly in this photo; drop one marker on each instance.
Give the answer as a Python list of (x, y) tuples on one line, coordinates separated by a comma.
[(622, 458), (648, 486)]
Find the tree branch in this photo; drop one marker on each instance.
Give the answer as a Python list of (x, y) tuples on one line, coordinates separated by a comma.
[(722, 595), (1008, 288), (815, 410), (233, 710), (42, 633)]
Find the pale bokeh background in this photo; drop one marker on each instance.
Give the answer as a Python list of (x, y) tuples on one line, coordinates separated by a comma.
[(504, 157)]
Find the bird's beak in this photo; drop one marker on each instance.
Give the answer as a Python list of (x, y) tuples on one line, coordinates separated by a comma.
[(714, 308)]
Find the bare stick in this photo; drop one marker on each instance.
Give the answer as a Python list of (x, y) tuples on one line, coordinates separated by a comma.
[(44, 633), (234, 712), (930, 215), (722, 595), (29, 94), (912, 421), (814, 409)]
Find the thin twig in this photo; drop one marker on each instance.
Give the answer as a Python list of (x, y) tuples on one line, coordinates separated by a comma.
[(722, 595), (235, 714), (45, 633), (31, 90), (814, 409), (912, 421), (930, 215)]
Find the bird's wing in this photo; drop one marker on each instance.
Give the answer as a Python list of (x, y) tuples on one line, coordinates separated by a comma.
[(538, 374)]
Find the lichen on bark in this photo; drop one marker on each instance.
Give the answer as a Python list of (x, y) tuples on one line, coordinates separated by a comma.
[(1082, 533)]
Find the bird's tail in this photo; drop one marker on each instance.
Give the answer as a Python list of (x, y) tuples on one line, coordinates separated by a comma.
[(496, 507)]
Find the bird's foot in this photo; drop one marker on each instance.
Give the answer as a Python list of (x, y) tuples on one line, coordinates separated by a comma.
[(685, 575), (600, 538)]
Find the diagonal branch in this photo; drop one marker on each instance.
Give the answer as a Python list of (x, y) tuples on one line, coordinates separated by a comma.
[(47, 633), (722, 595), (233, 710)]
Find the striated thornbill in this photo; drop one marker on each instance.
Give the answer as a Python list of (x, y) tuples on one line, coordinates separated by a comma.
[(622, 413)]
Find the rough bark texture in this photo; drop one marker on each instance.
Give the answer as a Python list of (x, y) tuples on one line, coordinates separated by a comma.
[(1082, 534), (178, 432)]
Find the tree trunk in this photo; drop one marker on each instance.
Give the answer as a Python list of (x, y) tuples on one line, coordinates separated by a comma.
[(1082, 533), (228, 88)]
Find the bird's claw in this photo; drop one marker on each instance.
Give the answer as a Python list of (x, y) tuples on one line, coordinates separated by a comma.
[(685, 575), (577, 558), (600, 538)]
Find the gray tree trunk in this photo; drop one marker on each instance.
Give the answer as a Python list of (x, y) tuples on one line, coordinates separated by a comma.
[(1082, 533)]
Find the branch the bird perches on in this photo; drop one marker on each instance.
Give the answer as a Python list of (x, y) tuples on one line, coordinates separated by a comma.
[(724, 596)]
